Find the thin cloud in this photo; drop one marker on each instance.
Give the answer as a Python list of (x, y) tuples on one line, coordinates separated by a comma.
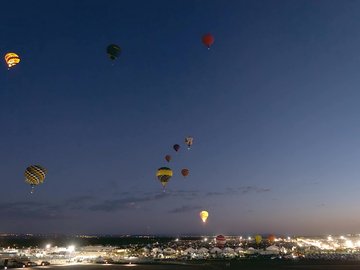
[(184, 209), (28, 210), (126, 203), (252, 189), (240, 190)]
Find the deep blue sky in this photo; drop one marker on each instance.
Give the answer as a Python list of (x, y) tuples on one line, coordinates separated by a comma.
[(273, 108)]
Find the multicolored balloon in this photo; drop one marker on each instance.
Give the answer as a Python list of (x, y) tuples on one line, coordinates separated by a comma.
[(12, 59), (164, 174), (35, 175), (189, 141), (220, 241)]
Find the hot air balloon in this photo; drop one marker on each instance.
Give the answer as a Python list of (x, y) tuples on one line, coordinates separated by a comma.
[(208, 40), (176, 147), (204, 215), (168, 158), (189, 141), (185, 172), (258, 239), (35, 175), (113, 51), (271, 238), (164, 174), (220, 241), (12, 59)]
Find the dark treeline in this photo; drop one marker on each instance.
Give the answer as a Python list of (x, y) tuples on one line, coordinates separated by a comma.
[(41, 241)]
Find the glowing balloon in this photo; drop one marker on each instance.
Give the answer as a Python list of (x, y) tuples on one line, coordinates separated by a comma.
[(12, 59), (204, 215), (35, 175), (258, 239), (271, 238)]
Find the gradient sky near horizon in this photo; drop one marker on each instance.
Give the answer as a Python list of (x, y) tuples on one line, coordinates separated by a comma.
[(273, 108)]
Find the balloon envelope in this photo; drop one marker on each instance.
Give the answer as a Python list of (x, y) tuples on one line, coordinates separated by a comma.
[(189, 141), (35, 175), (176, 147), (185, 172), (204, 215), (12, 59), (271, 238), (208, 40), (168, 158), (220, 240), (113, 51), (258, 239), (164, 174)]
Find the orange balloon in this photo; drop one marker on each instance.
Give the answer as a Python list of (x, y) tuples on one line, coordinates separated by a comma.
[(271, 238), (208, 40), (185, 172)]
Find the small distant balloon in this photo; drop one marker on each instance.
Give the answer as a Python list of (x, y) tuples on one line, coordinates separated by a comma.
[(271, 238), (113, 51), (12, 59), (35, 175), (258, 239), (189, 141), (168, 158), (176, 147), (185, 172), (208, 40), (204, 215)]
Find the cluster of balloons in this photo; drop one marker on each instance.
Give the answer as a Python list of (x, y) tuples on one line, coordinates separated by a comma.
[(270, 238), (164, 173), (113, 51), (35, 174)]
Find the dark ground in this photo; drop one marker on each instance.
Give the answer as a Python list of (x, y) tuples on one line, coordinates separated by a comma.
[(218, 265)]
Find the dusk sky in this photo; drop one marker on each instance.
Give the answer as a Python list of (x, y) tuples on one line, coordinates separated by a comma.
[(273, 107)]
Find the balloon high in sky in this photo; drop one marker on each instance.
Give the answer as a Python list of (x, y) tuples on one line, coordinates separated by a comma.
[(12, 59)]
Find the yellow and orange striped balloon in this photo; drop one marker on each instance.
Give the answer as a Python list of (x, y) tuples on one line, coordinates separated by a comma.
[(12, 59)]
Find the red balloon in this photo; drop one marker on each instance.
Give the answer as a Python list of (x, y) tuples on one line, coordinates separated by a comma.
[(208, 40), (220, 240), (168, 158), (185, 172)]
